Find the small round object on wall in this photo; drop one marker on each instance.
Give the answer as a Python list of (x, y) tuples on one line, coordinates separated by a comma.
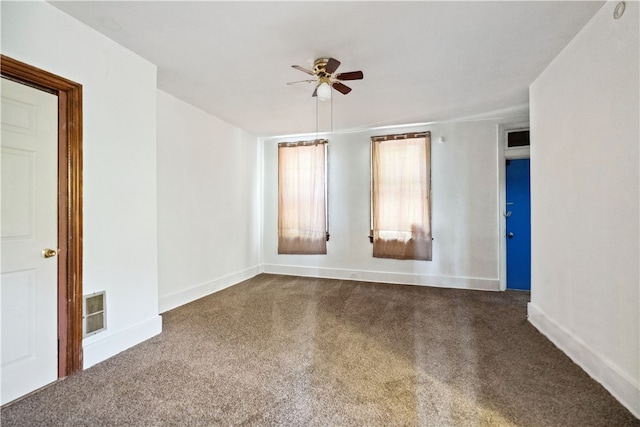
[(619, 10)]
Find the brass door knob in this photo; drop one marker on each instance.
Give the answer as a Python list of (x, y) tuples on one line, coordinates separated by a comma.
[(48, 253)]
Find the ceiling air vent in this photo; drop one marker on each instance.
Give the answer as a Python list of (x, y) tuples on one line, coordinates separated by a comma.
[(94, 313)]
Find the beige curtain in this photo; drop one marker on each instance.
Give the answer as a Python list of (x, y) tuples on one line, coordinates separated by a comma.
[(400, 193), (302, 225)]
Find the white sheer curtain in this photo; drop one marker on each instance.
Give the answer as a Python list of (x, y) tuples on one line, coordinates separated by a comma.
[(302, 222), (400, 193)]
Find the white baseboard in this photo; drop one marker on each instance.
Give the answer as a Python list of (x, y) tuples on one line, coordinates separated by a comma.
[(385, 277), (101, 349), (623, 388), (176, 299)]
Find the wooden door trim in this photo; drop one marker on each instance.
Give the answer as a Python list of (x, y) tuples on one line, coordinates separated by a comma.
[(69, 204)]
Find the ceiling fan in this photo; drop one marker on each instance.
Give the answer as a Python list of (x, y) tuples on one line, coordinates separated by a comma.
[(324, 75)]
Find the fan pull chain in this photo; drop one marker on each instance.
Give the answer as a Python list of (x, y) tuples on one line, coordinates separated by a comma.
[(331, 115), (318, 116)]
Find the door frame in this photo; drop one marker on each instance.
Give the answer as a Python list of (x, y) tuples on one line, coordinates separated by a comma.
[(69, 96), (504, 154)]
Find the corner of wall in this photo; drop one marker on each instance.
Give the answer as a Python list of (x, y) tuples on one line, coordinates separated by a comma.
[(100, 349), (623, 388), (185, 296)]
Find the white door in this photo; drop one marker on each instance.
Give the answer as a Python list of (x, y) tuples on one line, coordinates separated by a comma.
[(28, 227)]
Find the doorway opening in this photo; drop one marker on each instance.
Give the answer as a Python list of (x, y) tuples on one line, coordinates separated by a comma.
[(69, 96), (513, 145), (518, 218)]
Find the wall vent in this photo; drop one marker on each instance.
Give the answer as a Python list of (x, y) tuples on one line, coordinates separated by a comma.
[(517, 138), (94, 313)]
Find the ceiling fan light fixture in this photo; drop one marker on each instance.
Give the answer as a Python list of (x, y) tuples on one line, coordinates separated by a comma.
[(324, 91)]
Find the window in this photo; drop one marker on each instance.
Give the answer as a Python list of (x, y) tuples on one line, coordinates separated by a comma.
[(302, 197), (400, 196)]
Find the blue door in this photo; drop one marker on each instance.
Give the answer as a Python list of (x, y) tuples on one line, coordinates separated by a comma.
[(518, 225)]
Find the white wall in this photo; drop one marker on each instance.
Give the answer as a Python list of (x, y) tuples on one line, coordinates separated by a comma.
[(208, 203), (465, 214), (585, 202), (119, 154)]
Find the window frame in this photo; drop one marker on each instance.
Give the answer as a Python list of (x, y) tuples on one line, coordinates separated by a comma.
[(393, 137), (325, 143)]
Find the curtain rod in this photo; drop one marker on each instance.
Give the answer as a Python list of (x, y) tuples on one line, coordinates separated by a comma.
[(303, 143), (401, 136)]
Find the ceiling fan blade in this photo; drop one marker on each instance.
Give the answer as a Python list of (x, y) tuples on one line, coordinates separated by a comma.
[(332, 66), (351, 75), (315, 91), (343, 89), (301, 81), (304, 70)]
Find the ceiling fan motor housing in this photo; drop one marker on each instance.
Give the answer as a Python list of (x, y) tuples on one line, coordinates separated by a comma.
[(319, 67)]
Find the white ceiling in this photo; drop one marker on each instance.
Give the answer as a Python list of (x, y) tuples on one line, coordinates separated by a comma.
[(422, 61)]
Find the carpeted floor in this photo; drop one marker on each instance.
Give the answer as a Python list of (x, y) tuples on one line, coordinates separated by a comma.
[(292, 351)]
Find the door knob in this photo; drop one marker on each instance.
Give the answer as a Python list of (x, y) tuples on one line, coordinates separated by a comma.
[(48, 253), (510, 235)]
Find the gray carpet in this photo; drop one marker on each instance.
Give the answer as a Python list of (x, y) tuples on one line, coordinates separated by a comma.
[(292, 351)]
